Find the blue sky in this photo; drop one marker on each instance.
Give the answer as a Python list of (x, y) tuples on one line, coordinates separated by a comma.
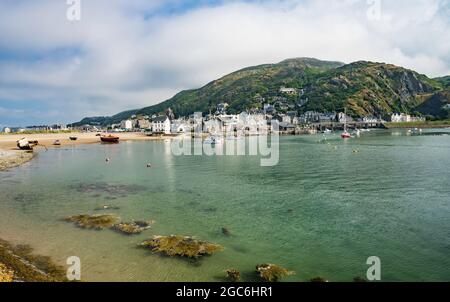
[(130, 54)]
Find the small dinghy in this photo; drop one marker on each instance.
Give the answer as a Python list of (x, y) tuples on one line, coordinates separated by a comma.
[(109, 139), (73, 138), (57, 143), (25, 144)]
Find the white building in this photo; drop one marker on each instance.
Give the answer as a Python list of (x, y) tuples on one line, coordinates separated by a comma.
[(213, 126), (7, 130), (229, 122), (161, 124), (405, 118), (370, 119), (126, 124), (179, 126), (343, 118), (290, 91), (400, 118)]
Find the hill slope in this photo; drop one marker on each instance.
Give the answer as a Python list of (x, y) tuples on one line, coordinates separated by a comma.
[(368, 88), (364, 88), (242, 88)]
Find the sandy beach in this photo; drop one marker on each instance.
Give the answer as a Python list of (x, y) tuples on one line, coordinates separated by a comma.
[(11, 156)]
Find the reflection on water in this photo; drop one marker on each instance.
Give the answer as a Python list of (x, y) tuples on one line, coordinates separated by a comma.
[(320, 212)]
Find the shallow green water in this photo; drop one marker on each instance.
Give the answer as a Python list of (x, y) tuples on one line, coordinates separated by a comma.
[(322, 211)]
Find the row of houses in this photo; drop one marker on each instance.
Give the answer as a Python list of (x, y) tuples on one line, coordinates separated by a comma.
[(247, 120), (56, 127), (405, 118)]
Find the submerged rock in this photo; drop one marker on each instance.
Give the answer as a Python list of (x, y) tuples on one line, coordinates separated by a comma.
[(182, 246), (226, 232), (132, 228), (233, 274), (98, 222), (209, 210), (272, 272), (98, 189)]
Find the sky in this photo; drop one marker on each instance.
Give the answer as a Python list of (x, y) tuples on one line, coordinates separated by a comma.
[(124, 54)]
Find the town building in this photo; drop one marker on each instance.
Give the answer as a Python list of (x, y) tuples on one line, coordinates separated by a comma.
[(143, 124), (269, 109), (344, 118), (221, 108), (161, 124), (289, 91), (179, 126), (126, 125), (370, 119), (405, 118)]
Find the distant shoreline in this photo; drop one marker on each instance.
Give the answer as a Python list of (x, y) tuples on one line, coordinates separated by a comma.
[(11, 156), (427, 124)]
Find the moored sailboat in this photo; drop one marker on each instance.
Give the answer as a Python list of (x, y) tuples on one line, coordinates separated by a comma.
[(346, 134)]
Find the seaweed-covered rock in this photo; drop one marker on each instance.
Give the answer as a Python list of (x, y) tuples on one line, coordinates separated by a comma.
[(132, 228), (233, 274), (318, 280), (6, 275), (272, 272), (98, 222), (182, 246), (19, 263)]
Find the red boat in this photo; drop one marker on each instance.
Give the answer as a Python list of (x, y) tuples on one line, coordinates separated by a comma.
[(346, 135), (109, 139)]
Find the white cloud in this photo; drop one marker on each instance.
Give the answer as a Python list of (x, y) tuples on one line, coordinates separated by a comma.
[(123, 55)]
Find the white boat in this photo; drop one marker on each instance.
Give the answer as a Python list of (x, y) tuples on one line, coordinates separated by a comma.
[(327, 131), (24, 144)]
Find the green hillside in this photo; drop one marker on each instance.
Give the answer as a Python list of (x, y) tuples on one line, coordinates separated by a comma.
[(444, 81), (364, 88), (367, 88), (244, 89)]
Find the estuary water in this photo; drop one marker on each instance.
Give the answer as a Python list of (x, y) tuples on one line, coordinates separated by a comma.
[(322, 211)]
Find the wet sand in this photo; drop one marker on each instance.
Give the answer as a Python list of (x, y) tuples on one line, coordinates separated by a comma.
[(11, 156)]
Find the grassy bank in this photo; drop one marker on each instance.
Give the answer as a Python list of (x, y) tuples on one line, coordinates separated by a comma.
[(427, 124)]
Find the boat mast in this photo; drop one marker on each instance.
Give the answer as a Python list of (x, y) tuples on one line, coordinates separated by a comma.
[(345, 119)]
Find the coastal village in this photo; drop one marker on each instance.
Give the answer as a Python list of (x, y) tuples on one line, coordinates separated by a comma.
[(287, 114)]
